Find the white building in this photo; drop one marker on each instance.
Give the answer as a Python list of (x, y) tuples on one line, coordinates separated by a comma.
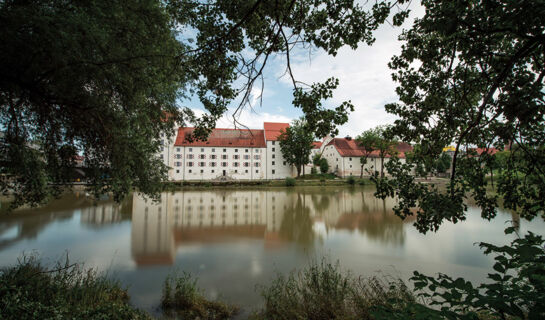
[(227, 154), (343, 156)]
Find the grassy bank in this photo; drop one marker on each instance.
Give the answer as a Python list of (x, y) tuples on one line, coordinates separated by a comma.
[(30, 290), (302, 181)]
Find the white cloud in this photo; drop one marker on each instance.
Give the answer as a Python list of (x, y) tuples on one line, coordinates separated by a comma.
[(364, 77), (250, 118)]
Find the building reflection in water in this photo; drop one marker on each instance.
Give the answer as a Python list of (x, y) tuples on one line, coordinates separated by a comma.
[(275, 217)]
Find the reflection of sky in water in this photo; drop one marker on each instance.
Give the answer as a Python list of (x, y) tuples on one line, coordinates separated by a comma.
[(235, 240)]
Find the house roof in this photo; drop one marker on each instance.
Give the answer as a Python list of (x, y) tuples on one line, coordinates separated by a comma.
[(490, 151), (223, 138), (273, 130), (350, 148), (316, 144)]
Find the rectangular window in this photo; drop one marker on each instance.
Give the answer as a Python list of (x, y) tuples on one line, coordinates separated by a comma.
[(190, 156), (202, 171), (212, 171), (213, 150), (177, 149), (236, 171), (236, 164), (224, 156), (177, 171), (189, 170), (246, 150), (202, 164), (202, 149), (190, 149), (235, 156), (274, 142), (236, 150), (257, 171), (202, 156), (273, 149), (246, 156), (224, 150), (246, 171), (213, 156), (350, 159), (246, 164), (284, 163), (274, 156), (273, 171), (190, 164), (224, 164), (212, 164), (273, 163), (257, 157), (257, 164)]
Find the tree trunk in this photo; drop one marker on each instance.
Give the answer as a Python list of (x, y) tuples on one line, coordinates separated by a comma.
[(298, 171), (382, 167), (361, 173)]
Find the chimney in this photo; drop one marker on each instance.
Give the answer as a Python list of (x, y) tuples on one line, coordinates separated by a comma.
[(348, 138)]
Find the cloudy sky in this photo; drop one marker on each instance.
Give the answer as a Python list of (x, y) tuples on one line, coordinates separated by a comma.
[(364, 77)]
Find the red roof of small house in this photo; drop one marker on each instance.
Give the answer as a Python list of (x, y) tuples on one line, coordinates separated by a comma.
[(316, 144), (490, 151), (273, 130), (350, 148), (223, 138)]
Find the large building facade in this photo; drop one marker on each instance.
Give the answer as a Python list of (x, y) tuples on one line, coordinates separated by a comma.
[(227, 154)]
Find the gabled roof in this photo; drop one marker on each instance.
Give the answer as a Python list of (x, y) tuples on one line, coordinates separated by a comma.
[(350, 148), (490, 151), (316, 144), (273, 130), (223, 138)]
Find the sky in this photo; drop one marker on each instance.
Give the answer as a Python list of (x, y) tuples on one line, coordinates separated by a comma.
[(364, 78)]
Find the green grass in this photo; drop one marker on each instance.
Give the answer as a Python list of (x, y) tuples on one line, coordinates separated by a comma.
[(317, 176), (323, 291), (182, 298), (30, 290), (290, 182)]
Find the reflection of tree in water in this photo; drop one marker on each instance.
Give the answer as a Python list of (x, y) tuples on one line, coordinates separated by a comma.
[(297, 224), (377, 224), (321, 203)]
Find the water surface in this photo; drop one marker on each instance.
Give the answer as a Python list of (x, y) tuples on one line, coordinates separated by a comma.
[(234, 239)]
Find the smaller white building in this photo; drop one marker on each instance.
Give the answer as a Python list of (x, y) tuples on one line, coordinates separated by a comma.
[(343, 156)]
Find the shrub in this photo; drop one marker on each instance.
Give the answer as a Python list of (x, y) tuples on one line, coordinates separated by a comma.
[(313, 170), (30, 290), (324, 166), (322, 291), (351, 180), (290, 182), (182, 298)]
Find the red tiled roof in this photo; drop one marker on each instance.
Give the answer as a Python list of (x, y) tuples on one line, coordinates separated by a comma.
[(490, 151), (273, 130), (316, 144), (224, 138), (350, 148)]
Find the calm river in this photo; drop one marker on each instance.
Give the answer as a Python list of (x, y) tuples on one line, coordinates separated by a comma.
[(233, 240)]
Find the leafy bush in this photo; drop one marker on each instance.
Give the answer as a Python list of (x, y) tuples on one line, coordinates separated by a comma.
[(324, 166), (290, 182), (313, 170), (516, 289), (29, 290), (351, 180), (322, 291), (182, 298)]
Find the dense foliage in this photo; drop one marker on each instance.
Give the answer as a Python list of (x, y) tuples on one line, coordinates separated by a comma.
[(296, 144), (107, 79)]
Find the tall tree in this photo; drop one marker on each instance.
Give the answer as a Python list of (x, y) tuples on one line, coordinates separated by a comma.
[(368, 140), (384, 144), (296, 144), (107, 78)]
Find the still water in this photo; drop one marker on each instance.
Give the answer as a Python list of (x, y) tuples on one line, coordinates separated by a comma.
[(236, 240)]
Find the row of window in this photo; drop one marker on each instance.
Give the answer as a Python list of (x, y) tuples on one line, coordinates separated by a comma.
[(214, 150), (223, 164), (213, 156), (213, 171)]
